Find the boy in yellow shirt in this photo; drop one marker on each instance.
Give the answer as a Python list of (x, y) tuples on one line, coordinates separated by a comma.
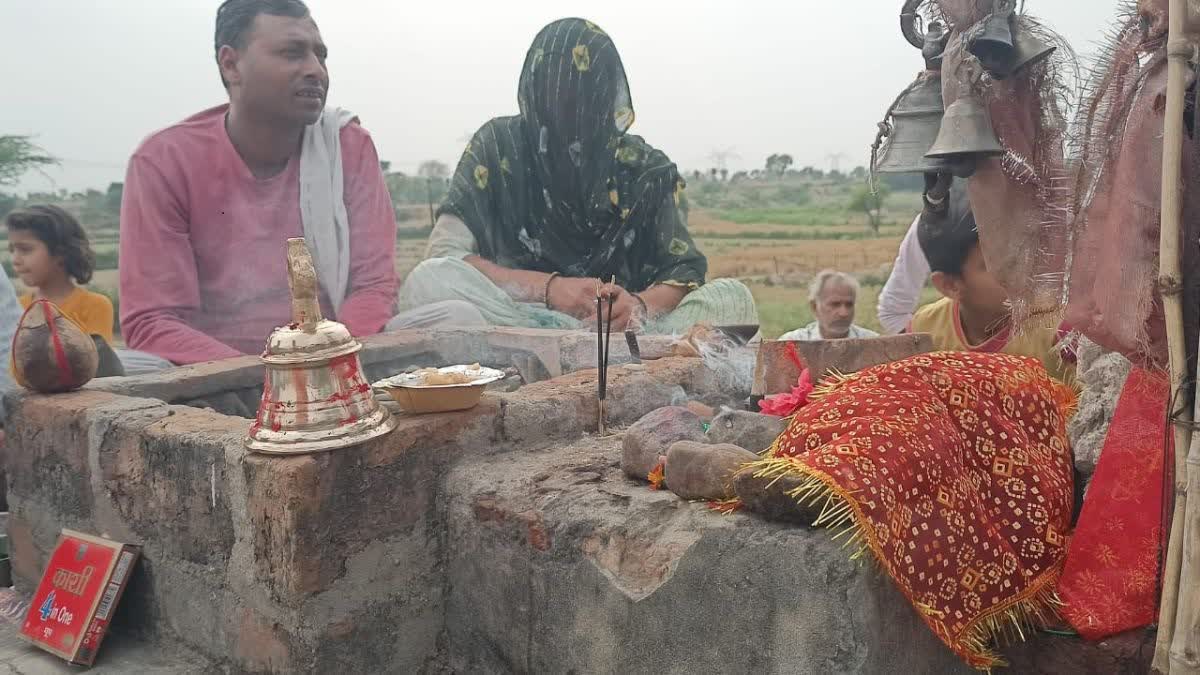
[(974, 314)]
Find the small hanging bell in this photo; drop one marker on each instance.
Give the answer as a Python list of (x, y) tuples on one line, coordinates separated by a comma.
[(315, 396), (993, 45), (914, 127), (966, 132), (1029, 52)]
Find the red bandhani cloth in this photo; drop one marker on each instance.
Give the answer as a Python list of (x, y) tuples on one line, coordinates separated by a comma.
[(954, 470), (1109, 584)]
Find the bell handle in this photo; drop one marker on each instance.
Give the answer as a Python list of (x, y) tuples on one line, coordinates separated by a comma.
[(908, 23), (302, 281)]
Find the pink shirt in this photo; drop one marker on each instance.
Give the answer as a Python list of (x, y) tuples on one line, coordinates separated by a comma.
[(203, 243)]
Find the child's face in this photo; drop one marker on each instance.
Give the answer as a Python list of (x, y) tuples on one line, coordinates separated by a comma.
[(977, 288), (31, 259)]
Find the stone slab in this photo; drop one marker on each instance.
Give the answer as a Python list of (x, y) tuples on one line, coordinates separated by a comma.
[(776, 372), (557, 563)]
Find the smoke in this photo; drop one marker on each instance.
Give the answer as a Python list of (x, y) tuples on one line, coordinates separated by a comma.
[(731, 366)]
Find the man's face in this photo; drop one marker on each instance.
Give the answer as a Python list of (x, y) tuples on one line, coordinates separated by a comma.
[(834, 310), (280, 74)]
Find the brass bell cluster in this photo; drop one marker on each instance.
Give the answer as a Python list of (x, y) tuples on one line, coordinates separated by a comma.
[(920, 135), (1002, 46)]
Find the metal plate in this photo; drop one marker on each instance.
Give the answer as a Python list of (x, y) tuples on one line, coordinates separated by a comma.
[(479, 376)]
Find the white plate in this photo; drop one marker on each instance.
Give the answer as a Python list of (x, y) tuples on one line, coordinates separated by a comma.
[(479, 377)]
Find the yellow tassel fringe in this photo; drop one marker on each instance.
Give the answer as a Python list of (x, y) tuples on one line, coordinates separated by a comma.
[(1034, 609)]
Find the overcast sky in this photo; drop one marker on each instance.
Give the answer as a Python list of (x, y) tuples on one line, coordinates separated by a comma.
[(91, 78)]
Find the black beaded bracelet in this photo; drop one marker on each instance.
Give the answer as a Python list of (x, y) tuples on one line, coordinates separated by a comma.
[(552, 277), (645, 307)]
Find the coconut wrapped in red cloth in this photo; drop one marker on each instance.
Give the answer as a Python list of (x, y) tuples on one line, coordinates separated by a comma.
[(954, 471), (50, 353)]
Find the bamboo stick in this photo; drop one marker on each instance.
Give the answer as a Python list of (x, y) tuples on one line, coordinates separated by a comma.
[(1171, 284), (1185, 649), (1185, 644)]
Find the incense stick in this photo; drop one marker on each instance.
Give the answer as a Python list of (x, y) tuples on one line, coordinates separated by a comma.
[(603, 342), (607, 342), (600, 374)]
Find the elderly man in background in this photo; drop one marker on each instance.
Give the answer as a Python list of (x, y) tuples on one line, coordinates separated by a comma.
[(832, 297)]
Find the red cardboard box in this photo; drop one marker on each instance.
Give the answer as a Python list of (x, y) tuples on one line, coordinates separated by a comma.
[(75, 601)]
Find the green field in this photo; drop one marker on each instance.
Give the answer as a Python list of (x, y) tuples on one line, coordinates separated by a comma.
[(774, 234)]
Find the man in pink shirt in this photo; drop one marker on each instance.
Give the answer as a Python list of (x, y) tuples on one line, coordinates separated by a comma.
[(209, 203)]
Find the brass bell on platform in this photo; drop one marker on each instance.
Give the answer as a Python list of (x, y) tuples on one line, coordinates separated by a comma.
[(966, 132), (315, 396), (915, 123), (993, 43)]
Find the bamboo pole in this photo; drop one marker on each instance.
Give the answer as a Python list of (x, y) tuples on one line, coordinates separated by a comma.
[(1179, 50), (1185, 644)]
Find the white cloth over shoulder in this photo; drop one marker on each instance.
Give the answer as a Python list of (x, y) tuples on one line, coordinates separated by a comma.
[(323, 205), (902, 293), (812, 333), (451, 238)]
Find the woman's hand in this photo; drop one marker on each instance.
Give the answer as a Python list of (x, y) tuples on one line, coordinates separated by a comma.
[(624, 305), (573, 296)]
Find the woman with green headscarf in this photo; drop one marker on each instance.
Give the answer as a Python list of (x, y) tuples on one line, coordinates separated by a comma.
[(547, 204)]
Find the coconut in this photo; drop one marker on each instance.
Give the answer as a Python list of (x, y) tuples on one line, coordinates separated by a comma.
[(51, 354)]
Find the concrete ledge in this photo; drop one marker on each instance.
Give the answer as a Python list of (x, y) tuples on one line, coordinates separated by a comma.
[(499, 539), (776, 372), (557, 563)]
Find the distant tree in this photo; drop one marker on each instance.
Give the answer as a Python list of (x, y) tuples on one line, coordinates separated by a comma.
[(7, 203), (739, 177), (870, 202), (859, 173), (19, 155), (697, 176), (432, 168), (713, 172), (779, 164), (724, 174), (113, 195), (836, 176), (385, 166)]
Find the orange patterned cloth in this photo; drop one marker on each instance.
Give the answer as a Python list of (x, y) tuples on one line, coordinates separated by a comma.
[(1110, 581), (954, 470)]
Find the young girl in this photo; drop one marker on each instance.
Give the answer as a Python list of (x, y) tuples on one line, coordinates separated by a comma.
[(51, 254)]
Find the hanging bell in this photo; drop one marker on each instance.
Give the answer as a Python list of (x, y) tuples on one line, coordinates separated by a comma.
[(315, 396), (915, 122), (1029, 52), (966, 132), (993, 45)]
